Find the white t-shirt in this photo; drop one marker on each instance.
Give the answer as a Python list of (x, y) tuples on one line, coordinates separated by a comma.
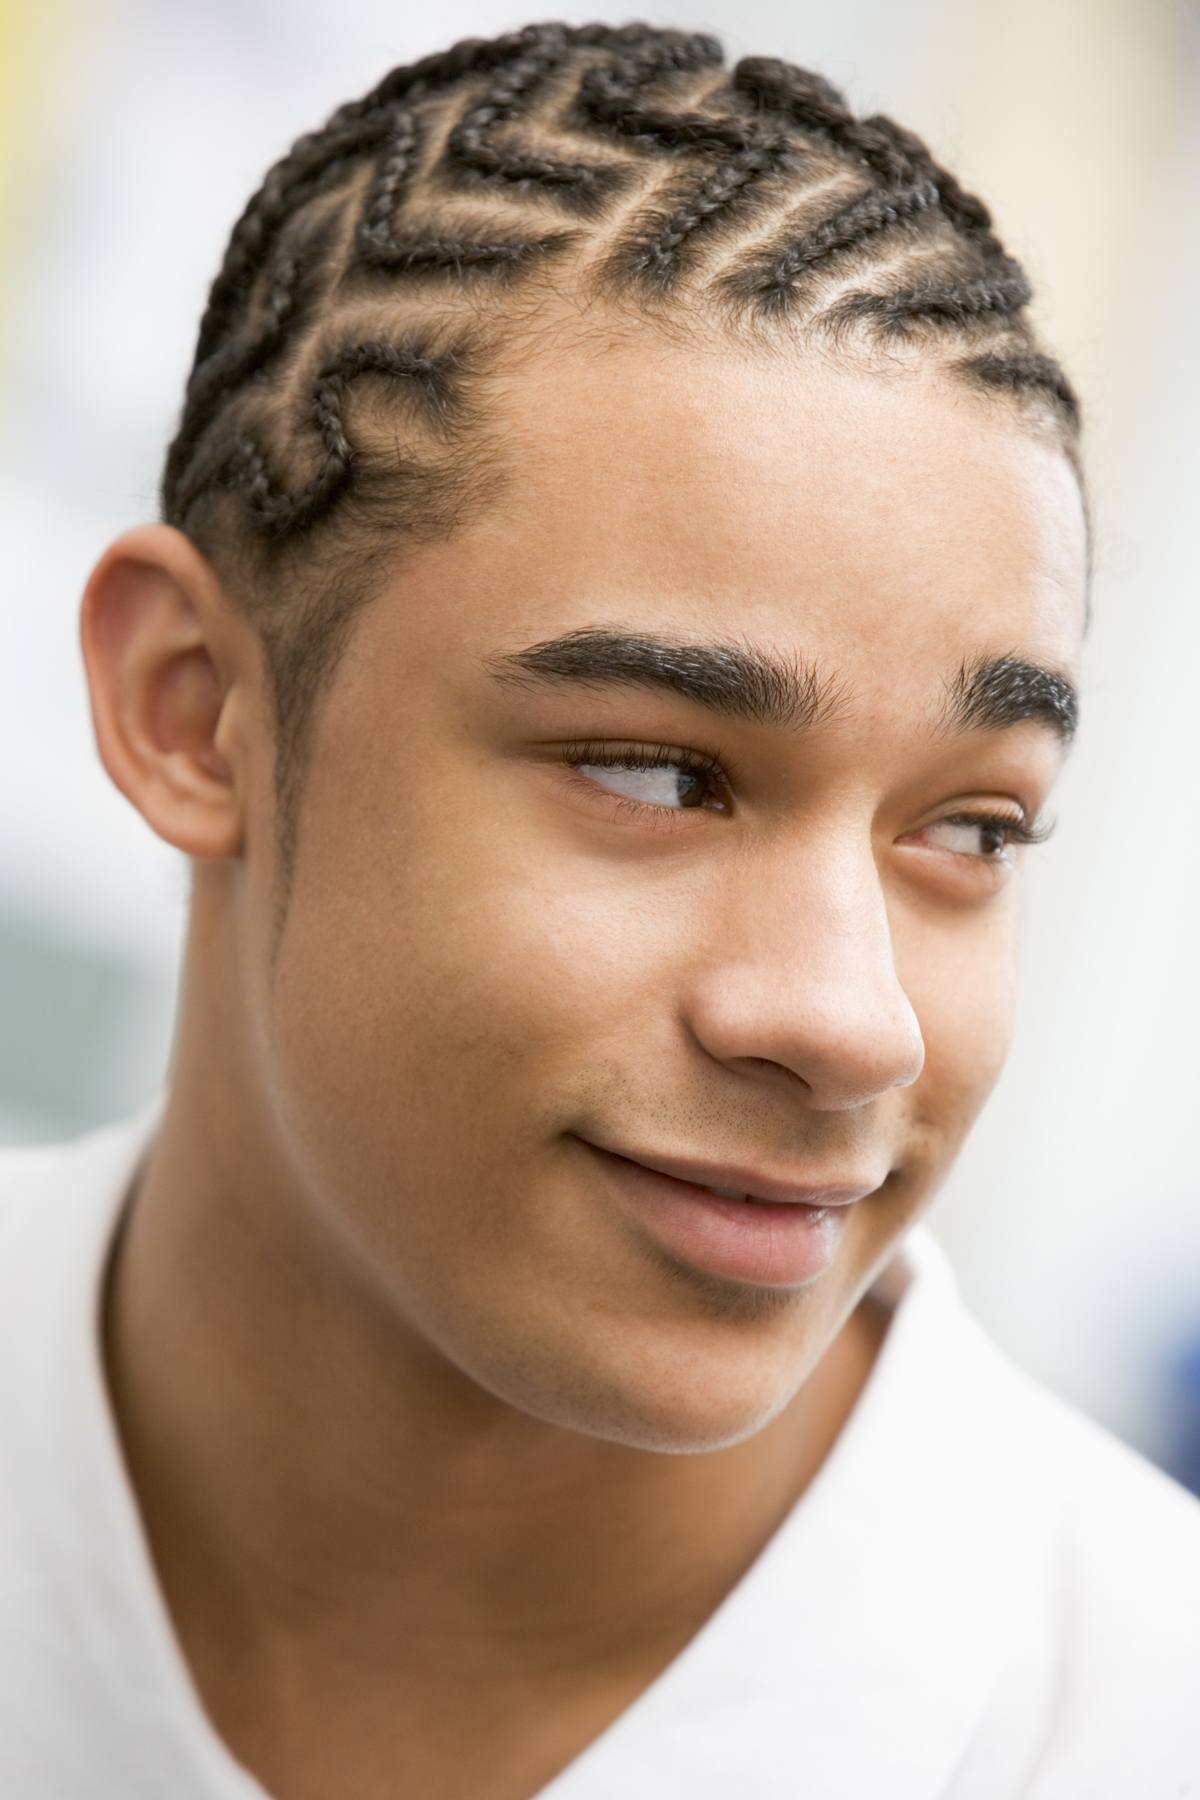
[(983, 1595)]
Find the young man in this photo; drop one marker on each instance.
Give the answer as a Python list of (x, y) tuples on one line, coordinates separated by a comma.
[(582, 434)]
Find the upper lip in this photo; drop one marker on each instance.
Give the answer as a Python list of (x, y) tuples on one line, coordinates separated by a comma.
[(829, 1191)]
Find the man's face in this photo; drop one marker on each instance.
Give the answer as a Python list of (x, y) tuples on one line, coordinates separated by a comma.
[(493, 962)]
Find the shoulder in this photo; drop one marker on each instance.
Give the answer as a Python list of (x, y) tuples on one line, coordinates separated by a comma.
[(1129, 1558), (52, 1194), (1122, 1534), (1118, 1509), (1088, 1556), (1093, 1497), (31, 1176), (1118, 1623)]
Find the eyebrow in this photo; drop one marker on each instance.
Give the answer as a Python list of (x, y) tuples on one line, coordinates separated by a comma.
[(746, 681)]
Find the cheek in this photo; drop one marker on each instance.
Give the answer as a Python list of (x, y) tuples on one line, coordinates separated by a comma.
[(439, 993), (439, 1009), (965, 1000)]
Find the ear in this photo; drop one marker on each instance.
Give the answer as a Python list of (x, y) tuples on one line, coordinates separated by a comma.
[(168, 668)]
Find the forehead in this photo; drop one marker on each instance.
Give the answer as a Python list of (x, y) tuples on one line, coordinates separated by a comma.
[(887, 510)]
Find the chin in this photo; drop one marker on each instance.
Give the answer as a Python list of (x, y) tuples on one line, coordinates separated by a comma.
[(689, 1434), (687, 1412)]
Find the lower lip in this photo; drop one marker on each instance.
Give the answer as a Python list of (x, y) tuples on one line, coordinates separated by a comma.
[(766, 1242)]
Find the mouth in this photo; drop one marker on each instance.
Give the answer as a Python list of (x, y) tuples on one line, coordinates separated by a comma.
[(734, 1182), (769, 1242)]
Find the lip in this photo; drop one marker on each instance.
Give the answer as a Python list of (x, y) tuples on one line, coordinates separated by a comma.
[(766, 1243), (831, 1191)]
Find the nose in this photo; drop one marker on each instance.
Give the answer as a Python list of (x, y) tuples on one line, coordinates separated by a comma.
[(801, 972)]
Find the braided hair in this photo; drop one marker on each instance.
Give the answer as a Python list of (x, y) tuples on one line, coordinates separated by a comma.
[(390, 260)]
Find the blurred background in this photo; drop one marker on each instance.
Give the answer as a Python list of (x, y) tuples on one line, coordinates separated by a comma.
[(131, 134)]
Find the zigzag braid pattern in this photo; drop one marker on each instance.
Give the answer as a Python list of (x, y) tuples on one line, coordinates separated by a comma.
[(279, 511), (363, 239), (653, 254), (289, 301), (895, 154), (352, 131), (814, 105), (230, 366), (966, 211), (778, 122), (608, 98), (772, 275), (470, 151), (379, 246), (315, 163)]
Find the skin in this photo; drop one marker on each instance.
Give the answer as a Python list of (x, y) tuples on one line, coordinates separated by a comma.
[(415, 1420)]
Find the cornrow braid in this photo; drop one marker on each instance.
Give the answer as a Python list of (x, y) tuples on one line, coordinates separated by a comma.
[(965, 211), (471, 153), (811, 103), (657, 254), (290, 294), (773, 275), (958, 303), (371, 285), (314, 163), (379, 246), (280, 512), (317, 157)]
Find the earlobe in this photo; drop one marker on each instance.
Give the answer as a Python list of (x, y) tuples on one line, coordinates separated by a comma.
[(161, 689)]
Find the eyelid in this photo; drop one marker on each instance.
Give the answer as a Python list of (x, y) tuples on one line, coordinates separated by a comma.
[(1023, 832), (606, 753), (720, 768)]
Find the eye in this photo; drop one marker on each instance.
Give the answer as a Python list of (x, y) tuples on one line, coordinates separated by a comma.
[(994, 831), (659, 779), (654, 778)]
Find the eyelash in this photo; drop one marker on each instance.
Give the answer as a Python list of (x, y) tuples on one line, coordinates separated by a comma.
[(701, 762), (698, 762)]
